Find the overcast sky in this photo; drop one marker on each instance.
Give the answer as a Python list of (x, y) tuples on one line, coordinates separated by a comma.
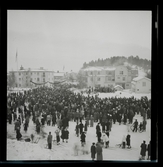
[(56, 39)]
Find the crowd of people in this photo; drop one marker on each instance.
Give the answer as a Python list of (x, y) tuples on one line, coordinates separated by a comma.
[(58, 106)]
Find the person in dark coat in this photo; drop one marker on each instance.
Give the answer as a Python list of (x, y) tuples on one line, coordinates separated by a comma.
[(10, 117), (17, 125), (18, 134), (82, 137), (93, 151), (49, 140), (63, 134), (99, 151), (66, 135), (149, 150), (77, 129), (99, 136), (143, 150), (81, 127), (135, 126), (97, 128), (85, 127), (103, 126), (57, 135), (128, 141), (91, 121), (25, 126)]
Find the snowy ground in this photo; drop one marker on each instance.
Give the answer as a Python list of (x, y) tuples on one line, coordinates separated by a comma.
[(125, 93), (21, 150)]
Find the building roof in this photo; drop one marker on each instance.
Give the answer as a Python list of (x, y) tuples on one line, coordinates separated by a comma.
[(32, 70), (58, 74), (118, 86), (139, 78)]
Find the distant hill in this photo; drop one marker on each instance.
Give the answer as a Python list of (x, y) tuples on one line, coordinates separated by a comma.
[(120, 60)]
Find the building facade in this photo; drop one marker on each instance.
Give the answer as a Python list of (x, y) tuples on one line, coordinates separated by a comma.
[(109, 76), (59, 76), (141, 85), (23, 77)]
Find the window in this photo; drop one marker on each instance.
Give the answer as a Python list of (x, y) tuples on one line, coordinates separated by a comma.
[(98, 73), (109, 72), (26, 73), (43, 74), (19, 79), (109, 78), (20, 85), (27, 84), (123, 78), (137, 89), (38, 73), (113, 79), (43, 79), (31, 73), (19, 73), (118, 77), (98, 79), (144, 83), (91, 79), (121, 72), (38, 79), (91, 73)]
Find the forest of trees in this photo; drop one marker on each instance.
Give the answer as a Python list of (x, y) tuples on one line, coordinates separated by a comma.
[(120, 60)]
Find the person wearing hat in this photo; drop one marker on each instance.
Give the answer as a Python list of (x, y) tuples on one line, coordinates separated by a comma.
[(82, 137), (99, 151), (93, 151), (135, 126), (49, 140), (143, 150)]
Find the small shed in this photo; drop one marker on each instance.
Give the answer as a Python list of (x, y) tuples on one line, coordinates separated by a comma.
[(141, 85)]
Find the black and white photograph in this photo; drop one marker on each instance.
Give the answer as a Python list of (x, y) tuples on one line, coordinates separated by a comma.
[(79, 85)]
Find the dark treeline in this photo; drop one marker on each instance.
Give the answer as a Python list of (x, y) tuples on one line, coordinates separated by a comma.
[(120, 60)]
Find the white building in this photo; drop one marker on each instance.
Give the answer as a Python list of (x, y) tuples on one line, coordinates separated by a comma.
[(25, 78), (141, 85), (59, 76), (109, 76)]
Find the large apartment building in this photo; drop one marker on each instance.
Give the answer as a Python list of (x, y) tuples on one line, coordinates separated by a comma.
[(23, 77), (107, 76)]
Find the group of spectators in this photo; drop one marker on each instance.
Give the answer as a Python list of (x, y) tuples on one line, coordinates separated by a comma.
[(58, 106)]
